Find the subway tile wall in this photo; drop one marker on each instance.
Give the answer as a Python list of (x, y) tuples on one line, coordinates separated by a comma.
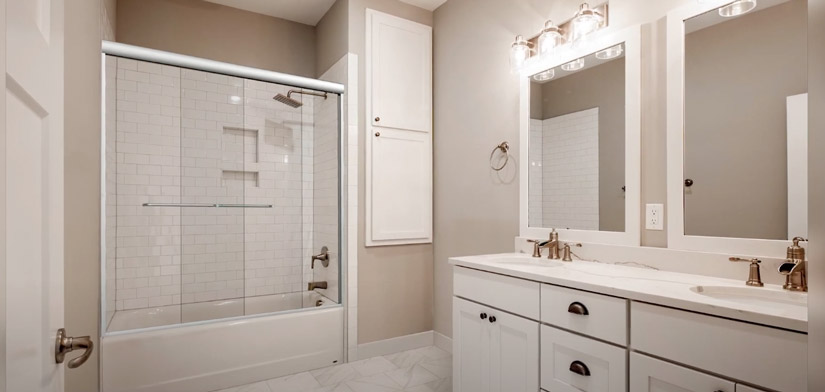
[(186, 136), (570, 163), (535, 173)]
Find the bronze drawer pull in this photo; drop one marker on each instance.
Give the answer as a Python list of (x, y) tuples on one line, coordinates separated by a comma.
[(579, 368), (578, 308)]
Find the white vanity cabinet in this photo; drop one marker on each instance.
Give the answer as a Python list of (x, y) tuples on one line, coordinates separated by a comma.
[(514, 334), (493, 351)]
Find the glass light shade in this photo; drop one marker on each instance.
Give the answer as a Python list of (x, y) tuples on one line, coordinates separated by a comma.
[(609, 53), (737, 8), (519, 52), (544, 76), (585, 22), (549, 39), (574, 65)]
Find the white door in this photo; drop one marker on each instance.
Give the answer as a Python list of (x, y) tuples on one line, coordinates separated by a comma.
[(399, 187), (32, 193), (471, 347), (652, 375), (514, 353), (399, 72)]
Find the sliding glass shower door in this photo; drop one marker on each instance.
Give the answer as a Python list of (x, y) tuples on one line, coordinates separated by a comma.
[(217, 196)]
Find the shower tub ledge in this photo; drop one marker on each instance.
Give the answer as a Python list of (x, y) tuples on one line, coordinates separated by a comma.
[(217, 355)]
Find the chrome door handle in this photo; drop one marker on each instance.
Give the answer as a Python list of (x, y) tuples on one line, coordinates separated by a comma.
[(66, 344)]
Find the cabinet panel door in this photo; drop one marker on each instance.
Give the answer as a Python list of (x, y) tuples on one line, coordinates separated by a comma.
[(471, 347), (514, 354), (652, 375), (574, 363), (399, 187), (399, 72)]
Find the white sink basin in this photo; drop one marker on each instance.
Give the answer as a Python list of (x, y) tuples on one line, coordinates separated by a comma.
[(755, 296)]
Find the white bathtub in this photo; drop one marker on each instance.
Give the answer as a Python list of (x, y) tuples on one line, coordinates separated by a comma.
[(125, 320), (213, 355)]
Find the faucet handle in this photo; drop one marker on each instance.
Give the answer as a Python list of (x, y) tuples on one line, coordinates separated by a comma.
[(566, 252), (754, 277), (536, 247), (752, 261)]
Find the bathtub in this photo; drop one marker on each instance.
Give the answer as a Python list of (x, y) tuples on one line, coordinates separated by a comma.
[(252, 344)]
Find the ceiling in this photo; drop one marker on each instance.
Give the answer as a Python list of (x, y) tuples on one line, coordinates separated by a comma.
[(307, 12), (429, 5)]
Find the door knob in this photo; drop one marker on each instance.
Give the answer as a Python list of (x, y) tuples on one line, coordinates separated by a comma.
[(688, 182), (377, 134), (483, 316), (66, 344), (492, 319), (377, 119)]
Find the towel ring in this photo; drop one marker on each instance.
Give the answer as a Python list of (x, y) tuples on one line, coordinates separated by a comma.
[(504, 147)]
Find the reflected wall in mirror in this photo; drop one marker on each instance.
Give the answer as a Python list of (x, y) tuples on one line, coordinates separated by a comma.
[(745, 129), (577, 144)]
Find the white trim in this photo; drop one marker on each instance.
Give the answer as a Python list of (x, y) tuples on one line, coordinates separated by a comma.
[(676, 238), (443, 342), (395, 345), (179, 60), (631, 37)]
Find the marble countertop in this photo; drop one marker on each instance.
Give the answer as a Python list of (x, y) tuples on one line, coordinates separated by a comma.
[(786, 310)]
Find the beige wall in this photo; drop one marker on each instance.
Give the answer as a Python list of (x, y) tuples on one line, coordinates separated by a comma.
[(217, 32), (84, 30), (602, 86), (332, 36), (735, 121), (476, 107), (395, 283), (816, 195)]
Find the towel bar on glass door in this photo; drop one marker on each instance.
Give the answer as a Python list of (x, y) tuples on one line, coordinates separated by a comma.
[(207, 205)]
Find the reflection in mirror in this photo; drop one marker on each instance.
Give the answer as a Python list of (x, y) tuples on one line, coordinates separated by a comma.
[(745, 166), (577, 144)]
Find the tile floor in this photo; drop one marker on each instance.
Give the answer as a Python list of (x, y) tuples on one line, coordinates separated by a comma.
[(427, 369)]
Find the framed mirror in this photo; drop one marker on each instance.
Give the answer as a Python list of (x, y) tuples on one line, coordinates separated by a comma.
[(737, 126), (580, 129)]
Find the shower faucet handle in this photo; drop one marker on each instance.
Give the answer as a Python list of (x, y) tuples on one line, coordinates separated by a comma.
[(323, 257)]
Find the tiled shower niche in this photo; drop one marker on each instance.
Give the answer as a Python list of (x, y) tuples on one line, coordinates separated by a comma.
[(211, 197)]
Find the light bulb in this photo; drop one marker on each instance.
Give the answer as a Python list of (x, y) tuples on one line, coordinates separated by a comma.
[(550, 39), (519, 52), (544, 76), (574, 65), (609, 53), (737, 8), (585, 22)]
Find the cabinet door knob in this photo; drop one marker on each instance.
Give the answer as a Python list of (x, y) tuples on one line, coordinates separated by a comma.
[(492, 319), (688, 182), (377, 134), (377, 119), (578, 308), (483, 316), (579, 368)]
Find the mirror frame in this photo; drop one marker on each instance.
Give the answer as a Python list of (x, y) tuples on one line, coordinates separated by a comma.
[(676, 237), (631, 38)]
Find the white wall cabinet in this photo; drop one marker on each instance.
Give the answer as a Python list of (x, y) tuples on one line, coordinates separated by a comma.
[(399, 131), (493, 351)]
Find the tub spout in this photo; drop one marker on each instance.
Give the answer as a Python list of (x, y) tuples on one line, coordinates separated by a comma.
[(316, 285)]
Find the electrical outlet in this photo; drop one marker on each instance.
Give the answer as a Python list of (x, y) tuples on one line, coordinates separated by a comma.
[(654, 217)]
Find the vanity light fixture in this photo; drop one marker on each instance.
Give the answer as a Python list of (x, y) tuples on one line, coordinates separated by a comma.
[(549, 39), (544, 76), (519, 53), (586, 21), (738, 7), (610, 53), (574, 65)]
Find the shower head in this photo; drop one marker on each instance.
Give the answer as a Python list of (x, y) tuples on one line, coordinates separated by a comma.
[(289, 101)]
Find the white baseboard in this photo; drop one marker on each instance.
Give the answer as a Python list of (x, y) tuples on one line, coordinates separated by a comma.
[(395, 345), (443, 342)]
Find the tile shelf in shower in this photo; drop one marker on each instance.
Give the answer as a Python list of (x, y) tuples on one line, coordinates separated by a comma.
[(243, 165)]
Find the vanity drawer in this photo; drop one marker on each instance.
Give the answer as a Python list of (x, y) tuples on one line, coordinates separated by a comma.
[(586, 313), (517, 296), (574, 363), (759, 355)]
